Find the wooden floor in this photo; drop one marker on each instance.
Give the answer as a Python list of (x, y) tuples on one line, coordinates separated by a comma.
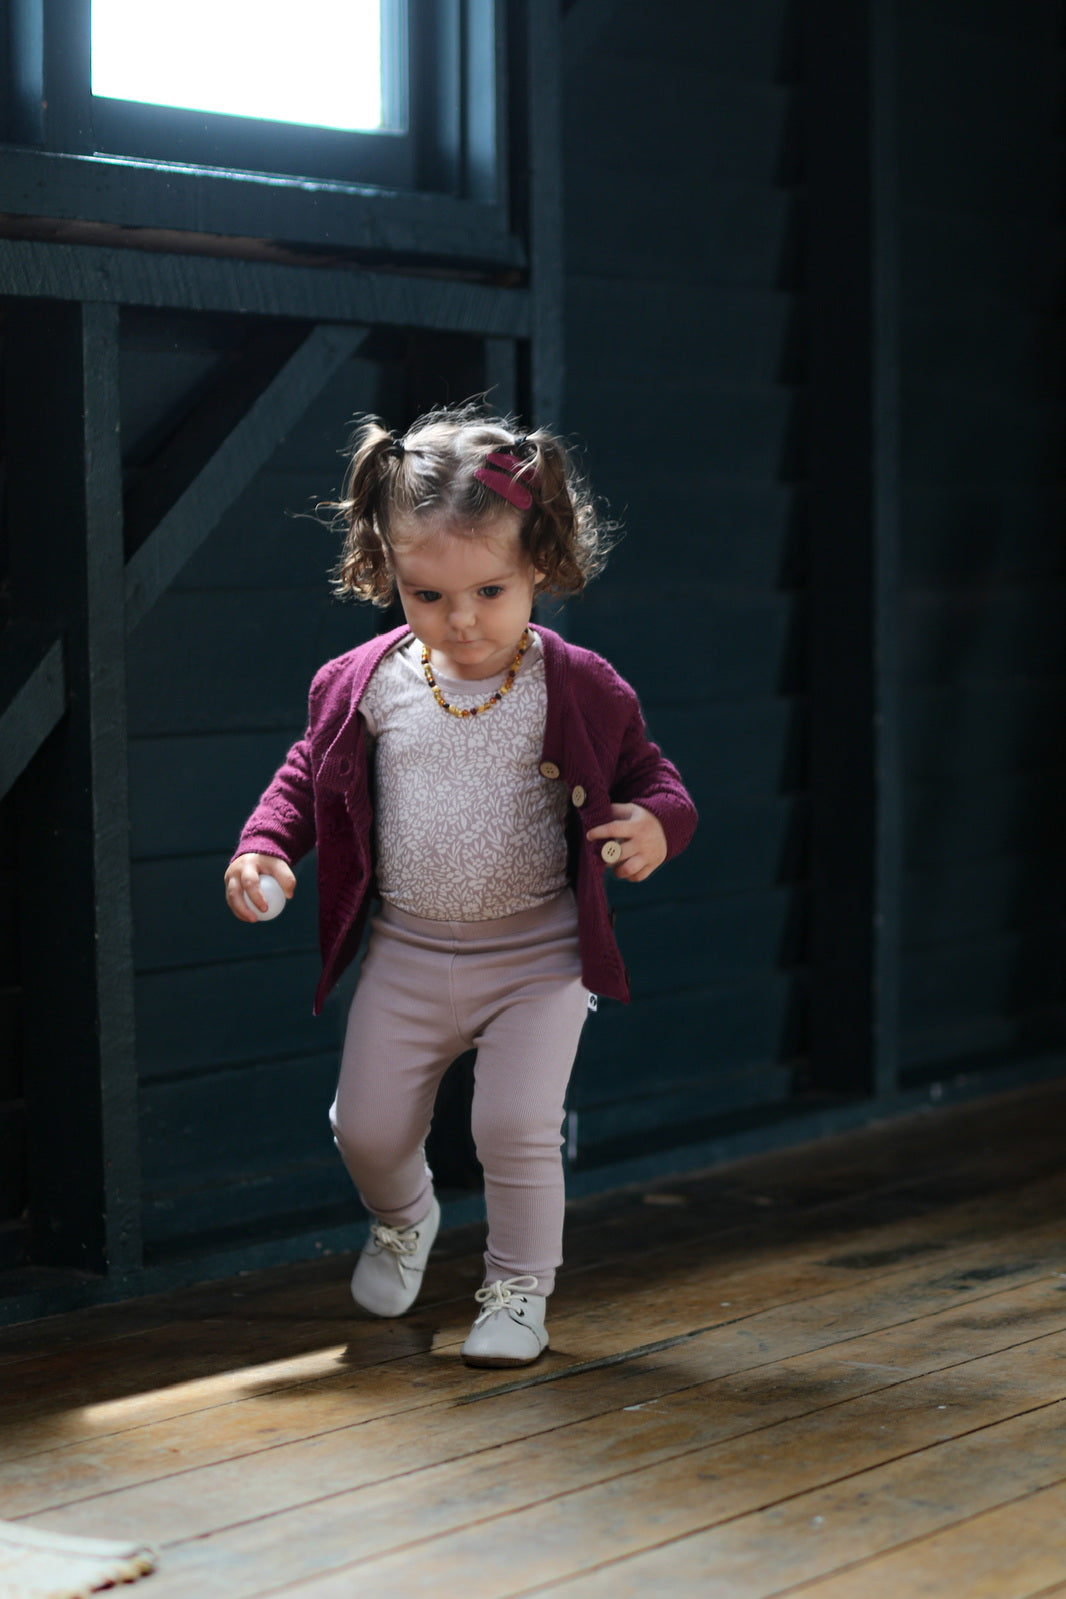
[(839, 1371)]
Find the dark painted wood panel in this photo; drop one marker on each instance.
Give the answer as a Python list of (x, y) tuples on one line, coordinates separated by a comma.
[(685, 354), (696, 646), (272, 537), (753, 41), (981, 630), (1036, 25), (954, 901), (207, 664), (234, 1211), (238, 1123), (983, 993), (1014, 354), (190, 795), (703, 525), (679, 1035), (959, 1053), (739, 235), (12, 1161), (962, 536), (969, 264), (744, 844), (688, 943), (746, 750), (315, 441), (983, 635), (165, 365), (977, 439), (683, 1112), (13, 1246), (740, 127), (988, 79), (747, 337), (747, 434), (180, 918), (61, 369), (165, 535), (259, 1010), (974, 731), (984, 815)]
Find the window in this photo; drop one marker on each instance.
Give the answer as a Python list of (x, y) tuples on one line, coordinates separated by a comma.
[(395, 95), (267, 59), (309, 87)]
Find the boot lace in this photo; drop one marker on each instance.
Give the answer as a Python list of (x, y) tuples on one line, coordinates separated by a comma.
[(498, 1296), (399, 1241)]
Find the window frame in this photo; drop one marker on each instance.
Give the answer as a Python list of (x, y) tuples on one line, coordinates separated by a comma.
[(194, 137), (454, 146)]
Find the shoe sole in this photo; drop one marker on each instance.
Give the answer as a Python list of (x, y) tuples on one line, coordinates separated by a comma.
[(497, 1361)]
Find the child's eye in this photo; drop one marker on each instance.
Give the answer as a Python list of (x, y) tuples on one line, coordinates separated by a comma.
[(491, 590), (427, 596)]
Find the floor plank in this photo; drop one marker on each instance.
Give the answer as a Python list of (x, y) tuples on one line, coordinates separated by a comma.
[(795, 1374), (1011, 1552), (789, 1543), (46, 1397), (549, 1497), (738, 1338)]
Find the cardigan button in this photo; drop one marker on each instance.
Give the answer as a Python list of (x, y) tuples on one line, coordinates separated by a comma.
[(611, 851), (578, 796), (549, 769), (344, 766)]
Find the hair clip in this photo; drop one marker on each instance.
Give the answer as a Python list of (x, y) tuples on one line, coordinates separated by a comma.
[(497, 474)]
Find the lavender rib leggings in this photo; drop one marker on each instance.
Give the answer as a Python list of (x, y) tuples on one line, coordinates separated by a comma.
[(509, 988)]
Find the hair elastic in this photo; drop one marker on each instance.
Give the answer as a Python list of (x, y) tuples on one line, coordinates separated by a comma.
[(398, 449), (498, 474)]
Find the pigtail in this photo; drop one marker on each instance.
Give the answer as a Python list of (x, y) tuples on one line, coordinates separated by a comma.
[(370, 486), (464, 465), (566, 538)]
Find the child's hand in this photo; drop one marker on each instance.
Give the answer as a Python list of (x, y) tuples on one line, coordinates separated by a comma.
[(242, 877), (641, 837)]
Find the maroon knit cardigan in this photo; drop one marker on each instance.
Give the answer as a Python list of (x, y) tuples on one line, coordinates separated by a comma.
[(594, 738)]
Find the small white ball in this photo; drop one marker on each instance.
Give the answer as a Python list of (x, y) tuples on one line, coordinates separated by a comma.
[(274, 895)]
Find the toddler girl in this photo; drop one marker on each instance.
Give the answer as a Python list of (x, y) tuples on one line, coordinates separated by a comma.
[(472, 772)]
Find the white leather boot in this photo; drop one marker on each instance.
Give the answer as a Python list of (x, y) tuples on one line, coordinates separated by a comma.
[(509, 1330), (388, 1274)]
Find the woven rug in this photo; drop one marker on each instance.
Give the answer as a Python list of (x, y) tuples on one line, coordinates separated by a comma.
[(35, 1564)]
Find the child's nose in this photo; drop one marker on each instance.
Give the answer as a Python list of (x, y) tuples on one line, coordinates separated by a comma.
[(463, 614)]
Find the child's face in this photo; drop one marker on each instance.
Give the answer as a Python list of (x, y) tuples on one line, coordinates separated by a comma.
[(467, 595)]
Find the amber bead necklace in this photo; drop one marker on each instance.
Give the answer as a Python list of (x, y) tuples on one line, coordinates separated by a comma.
[(493, 699)]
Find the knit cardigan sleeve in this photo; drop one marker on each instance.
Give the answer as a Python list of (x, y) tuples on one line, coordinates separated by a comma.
[(283, 822), (645, 777), (635, 769)]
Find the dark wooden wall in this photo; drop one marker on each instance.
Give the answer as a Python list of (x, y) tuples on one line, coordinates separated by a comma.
[(684, 381), (982, 636), (814, 343), (810, 258)]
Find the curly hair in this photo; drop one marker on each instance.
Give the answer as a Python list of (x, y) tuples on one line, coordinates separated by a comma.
[(432, 472)]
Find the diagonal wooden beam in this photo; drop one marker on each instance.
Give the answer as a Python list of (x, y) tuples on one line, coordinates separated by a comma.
[(229, 471), (33, 696)]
